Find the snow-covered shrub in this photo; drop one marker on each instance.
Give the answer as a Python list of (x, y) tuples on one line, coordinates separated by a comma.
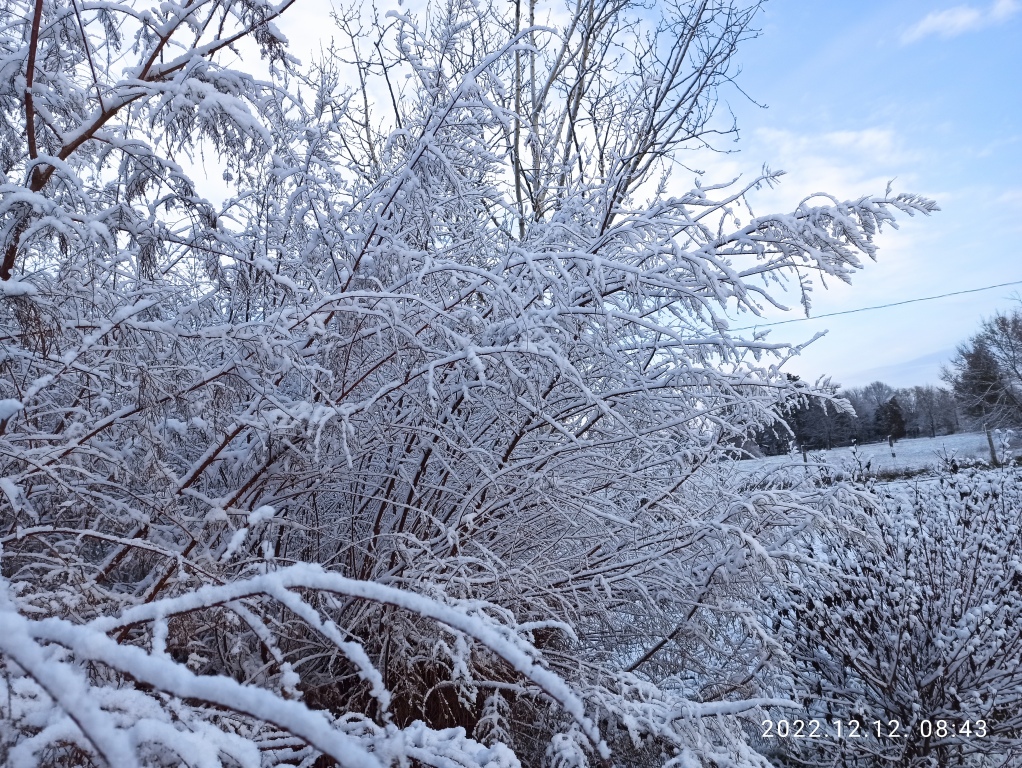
[(919, 621), (74, 694), (466, 342)]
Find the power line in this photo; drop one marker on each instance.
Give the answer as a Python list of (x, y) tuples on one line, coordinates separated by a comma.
[(878, 306)]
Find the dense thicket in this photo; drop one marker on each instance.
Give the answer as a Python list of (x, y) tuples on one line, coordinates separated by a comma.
[(916, 631), (406, 452)]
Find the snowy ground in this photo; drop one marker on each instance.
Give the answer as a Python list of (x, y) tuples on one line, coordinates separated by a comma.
[(909, 455)]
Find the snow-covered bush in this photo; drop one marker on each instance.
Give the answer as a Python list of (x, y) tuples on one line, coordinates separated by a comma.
[(57, 713), (453, 338), (918, 624)]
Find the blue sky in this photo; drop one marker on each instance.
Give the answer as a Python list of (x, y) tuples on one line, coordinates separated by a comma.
[(859, 93), (927, 94)]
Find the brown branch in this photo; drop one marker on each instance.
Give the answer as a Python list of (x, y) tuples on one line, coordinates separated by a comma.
[(33, 147), (33, 46), (39, 177)]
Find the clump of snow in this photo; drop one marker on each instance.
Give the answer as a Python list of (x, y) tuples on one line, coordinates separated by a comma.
[(261, 515), (234, 544), (18, 288), (8, 408)]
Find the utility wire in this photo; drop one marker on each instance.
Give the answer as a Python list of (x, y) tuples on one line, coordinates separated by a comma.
[(878, 306)]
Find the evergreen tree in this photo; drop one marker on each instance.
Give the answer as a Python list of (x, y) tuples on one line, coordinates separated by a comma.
[(889, 419)]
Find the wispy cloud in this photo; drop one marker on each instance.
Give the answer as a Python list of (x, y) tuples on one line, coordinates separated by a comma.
[(846, 163), (961, 19)]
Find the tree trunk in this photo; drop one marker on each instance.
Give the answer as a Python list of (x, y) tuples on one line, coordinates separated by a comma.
[(993, 450)]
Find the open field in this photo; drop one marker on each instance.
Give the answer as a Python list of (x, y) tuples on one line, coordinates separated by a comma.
[(909, 456)]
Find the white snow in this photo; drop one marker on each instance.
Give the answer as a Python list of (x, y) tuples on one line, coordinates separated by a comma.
[(18, 288), (909, 455), (479, 392), (8, 408)]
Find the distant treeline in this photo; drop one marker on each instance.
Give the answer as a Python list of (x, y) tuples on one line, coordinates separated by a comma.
[(880, 411), (984, 393)]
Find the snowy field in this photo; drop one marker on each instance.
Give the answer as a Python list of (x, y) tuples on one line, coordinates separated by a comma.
[(909, 455)]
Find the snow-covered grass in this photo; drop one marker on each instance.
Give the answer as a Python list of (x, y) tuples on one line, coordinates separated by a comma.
[(907, 456)]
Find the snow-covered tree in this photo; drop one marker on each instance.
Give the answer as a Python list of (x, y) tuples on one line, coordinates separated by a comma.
[(408, 445), (935, 410), (986, 373)]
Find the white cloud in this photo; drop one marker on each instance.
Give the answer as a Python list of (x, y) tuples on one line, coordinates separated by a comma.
[(960, 19), (1004, 9), (847, 164)]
